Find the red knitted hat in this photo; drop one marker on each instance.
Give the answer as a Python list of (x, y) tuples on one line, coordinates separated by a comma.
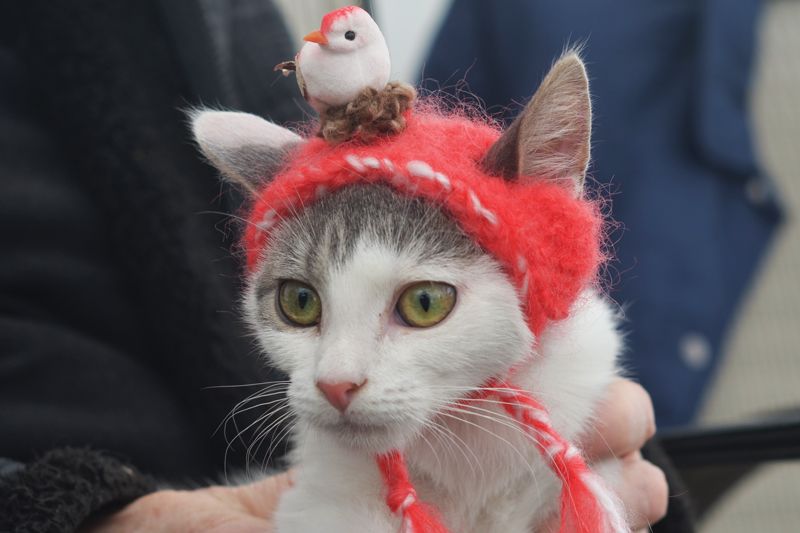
[(547, 240)]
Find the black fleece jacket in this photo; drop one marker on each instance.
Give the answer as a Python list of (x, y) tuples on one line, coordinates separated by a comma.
[(118, 287)]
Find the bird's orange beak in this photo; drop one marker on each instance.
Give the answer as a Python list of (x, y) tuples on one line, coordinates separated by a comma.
[(316, 37)]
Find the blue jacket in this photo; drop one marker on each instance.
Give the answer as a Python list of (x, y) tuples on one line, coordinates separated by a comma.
[(672, 149)]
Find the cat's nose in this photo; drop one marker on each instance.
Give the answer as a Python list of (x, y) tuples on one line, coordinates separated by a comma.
[(339, 394)]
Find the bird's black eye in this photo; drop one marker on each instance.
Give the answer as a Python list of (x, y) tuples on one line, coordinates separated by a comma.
[(350, 35)]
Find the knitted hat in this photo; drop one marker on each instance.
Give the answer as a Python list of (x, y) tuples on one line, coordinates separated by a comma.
[(547, 240)]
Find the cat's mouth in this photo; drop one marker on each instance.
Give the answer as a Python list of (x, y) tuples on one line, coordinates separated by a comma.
[(373, 437), (347, 426)]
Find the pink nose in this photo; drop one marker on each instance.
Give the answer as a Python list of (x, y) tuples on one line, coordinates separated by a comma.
[(339, 394)]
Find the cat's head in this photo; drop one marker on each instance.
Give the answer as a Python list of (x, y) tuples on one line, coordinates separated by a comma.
[(377, 305)]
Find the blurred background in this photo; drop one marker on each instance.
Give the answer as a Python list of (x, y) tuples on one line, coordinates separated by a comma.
[(734, 360)]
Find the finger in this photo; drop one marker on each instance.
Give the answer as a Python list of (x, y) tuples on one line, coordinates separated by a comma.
[(239, 525), (644, 492), (625, 421), (261, 497)]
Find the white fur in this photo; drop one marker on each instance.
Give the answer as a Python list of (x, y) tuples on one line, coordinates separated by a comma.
[(480, 471)]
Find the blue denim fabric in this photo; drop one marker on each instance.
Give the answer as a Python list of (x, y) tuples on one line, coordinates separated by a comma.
[(671, 148)]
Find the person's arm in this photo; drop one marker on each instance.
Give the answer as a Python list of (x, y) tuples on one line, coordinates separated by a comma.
[(72, 370), (62, 488)]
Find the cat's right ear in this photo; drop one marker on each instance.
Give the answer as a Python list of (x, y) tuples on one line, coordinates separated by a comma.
[(245, 148), (550, 139)]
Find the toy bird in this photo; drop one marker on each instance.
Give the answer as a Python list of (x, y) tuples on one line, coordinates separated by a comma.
[(345, 56)]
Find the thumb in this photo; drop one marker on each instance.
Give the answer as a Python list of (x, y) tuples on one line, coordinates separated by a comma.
[(261, 497)]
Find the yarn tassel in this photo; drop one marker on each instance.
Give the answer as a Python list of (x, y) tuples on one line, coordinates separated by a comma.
[(416, 516)]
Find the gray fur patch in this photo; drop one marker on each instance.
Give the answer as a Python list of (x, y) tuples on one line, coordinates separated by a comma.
[(325, 234)]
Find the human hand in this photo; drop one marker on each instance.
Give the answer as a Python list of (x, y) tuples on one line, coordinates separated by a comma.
[(625, 421), (242, 509)]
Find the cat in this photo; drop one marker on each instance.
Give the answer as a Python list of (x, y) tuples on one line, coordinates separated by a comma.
[(341, 301)]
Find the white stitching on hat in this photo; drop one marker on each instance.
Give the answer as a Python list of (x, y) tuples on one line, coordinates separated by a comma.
[(420, 169), (354, 162), (268, 220), (478, 207), (444, 180), (371, 162)]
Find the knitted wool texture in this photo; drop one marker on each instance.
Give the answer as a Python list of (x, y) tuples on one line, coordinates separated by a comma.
[(547, 241)]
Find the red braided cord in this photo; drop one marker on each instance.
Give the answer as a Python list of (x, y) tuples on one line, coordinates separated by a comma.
[(586, 505), (401, 497)]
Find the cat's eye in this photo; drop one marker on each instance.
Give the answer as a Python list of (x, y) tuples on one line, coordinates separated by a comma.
[(350, 35), (427, 303), (299, 303)]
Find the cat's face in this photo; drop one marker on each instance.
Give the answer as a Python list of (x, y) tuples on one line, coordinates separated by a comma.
[(337, 300)]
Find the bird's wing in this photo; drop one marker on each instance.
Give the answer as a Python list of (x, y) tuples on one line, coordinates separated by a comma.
[(301, 82), (285, 67)]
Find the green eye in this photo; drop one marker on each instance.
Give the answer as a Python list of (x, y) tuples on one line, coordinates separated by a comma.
[(425, 304), (299, 303)]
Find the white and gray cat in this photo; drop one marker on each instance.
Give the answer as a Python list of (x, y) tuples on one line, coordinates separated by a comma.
[(363, 380)]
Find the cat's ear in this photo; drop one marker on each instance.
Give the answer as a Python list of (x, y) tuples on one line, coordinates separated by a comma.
[(550, 139), (246, 149)]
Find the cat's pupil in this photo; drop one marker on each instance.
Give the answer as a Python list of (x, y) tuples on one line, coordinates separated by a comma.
[(302, 299), (425, 301)]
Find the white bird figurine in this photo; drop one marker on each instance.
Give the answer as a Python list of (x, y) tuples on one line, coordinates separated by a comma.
[(346, 55)]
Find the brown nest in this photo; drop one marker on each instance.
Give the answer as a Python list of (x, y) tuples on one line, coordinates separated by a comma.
[(373, 113)]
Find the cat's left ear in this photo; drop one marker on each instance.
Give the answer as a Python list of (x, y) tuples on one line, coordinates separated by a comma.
[(550, 139), (245, 148)]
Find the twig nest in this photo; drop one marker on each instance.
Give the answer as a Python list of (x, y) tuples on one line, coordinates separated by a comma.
[(372, 114)]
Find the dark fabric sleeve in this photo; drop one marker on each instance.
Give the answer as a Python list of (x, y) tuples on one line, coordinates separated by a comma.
[(61, 489), (73, 353)]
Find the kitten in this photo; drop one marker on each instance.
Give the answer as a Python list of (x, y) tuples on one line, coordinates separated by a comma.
[(342, 301)]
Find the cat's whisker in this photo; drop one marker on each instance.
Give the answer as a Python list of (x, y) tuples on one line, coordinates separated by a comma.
[(268, 383), (240, 408), (271, 389), (446, 436), (276, 439), (504, 420), (460, 445), (258, 435), (495, 417), (421, 435), (263, 433), (233, 414), (261, 419), (516, 450), (481, 389), (507, 422), (264, 417)]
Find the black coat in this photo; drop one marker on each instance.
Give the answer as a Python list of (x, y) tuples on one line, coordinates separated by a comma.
[(118, 288)]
